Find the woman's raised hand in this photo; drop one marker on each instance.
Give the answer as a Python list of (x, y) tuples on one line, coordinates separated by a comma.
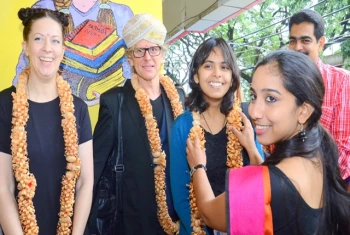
[(195, 155)]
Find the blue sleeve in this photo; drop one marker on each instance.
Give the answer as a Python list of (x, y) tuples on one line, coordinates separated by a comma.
[(259, 147), (48, 4), (179, 173)]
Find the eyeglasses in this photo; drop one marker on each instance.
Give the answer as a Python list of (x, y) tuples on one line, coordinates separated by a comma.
[(153, 51)]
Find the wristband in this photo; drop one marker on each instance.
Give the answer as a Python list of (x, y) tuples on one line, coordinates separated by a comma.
[(193, 169)]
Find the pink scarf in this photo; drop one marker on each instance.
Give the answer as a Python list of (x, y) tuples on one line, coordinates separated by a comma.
[(248, 201)]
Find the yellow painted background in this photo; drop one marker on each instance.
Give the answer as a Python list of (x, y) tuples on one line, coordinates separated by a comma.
[(11, 36)]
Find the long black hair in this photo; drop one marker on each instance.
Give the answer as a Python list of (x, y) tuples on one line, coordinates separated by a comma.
[(195, 100), (301, 77)]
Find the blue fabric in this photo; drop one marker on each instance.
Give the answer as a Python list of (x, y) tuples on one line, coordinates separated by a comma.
[(348, 182), (165, 147), (179, 169)]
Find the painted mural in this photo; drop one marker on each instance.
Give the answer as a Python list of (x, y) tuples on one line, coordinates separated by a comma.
[(94, 59)]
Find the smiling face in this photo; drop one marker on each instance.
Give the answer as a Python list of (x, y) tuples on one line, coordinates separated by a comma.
[(214, 76), (44, 48), (302, 39), (147, 67), (273, 109)]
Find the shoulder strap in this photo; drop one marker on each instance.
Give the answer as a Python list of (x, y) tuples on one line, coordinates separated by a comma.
[(181, 92), (245, 156), (244, 107), (119, 165)]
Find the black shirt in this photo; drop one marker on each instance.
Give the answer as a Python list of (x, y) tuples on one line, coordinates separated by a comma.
[(216, 152), (290, 213), (45, 151)]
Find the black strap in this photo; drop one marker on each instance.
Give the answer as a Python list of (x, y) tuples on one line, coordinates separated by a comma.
[(244, 107), (119, 166)]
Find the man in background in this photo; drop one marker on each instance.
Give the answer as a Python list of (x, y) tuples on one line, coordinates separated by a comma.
[(306, 35)]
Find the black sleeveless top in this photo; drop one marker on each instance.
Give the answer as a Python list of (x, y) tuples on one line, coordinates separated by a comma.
[(290, 213)]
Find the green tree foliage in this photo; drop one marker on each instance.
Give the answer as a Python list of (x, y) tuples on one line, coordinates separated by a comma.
[(258, 31), (345, 49)]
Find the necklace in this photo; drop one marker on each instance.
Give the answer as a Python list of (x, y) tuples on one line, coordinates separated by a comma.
[(20, 162), (208, 124), (234, 156), (159, 157)]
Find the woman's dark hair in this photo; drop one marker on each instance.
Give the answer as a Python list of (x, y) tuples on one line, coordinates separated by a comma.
[(195, 100), (30, 15), (301, 77)]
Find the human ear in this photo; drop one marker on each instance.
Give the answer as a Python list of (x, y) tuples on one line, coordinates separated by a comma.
[(321, 43), (196, 79), (25, 48), (305, 111), (131, 62)]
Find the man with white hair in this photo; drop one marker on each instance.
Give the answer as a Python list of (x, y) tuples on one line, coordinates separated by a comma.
[(150, 104)]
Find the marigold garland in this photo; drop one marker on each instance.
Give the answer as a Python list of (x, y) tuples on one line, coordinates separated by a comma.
[(159, 157), (234, 157), (20, 162)]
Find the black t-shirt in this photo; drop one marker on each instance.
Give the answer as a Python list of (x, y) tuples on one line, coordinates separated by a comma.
[(158, 113), (158, 109), (290, 213), (45, 151), (216, 151)]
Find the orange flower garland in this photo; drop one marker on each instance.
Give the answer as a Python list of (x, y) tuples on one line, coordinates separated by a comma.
[(159, 156), (20, 162), (234, 157)]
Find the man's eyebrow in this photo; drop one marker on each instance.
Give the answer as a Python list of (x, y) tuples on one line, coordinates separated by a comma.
[(302, 37)]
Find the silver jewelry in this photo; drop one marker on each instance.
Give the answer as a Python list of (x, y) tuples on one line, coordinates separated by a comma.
[(193, 169)]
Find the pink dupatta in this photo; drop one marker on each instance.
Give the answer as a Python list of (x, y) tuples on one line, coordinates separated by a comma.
[(248, 192)]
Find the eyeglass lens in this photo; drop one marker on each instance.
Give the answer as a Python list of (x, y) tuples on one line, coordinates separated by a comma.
[(153, 51)]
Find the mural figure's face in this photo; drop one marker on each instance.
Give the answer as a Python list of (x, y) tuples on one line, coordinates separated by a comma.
[(147, 67), (214, 76), (44, 48), (84, 5)]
